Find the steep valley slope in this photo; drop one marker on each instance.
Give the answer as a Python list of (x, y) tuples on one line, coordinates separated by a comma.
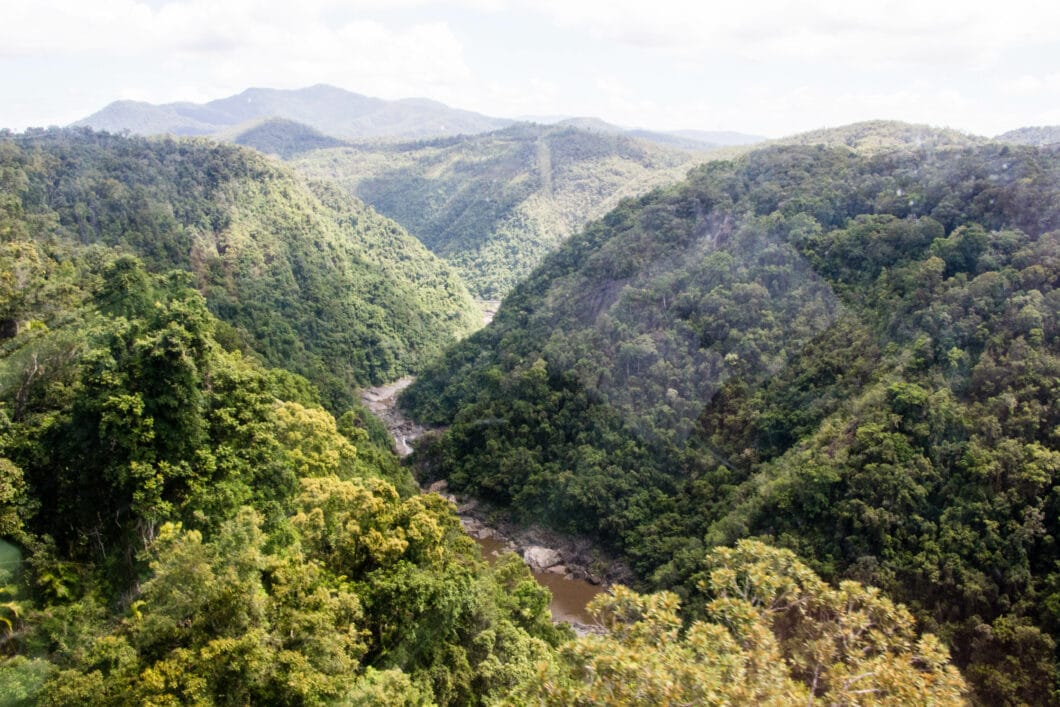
[(306, 276), (854, 355)]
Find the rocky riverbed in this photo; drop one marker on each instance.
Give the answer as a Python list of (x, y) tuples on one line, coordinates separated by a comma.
[(573, 568), (382, 401), (542, 549)]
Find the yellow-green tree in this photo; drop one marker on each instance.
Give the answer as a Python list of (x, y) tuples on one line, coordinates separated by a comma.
[(774, 633)]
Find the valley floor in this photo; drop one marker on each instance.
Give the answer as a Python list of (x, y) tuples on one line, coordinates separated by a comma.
[(572, 568)]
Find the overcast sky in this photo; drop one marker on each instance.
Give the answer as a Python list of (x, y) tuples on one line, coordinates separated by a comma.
[(761, 66)]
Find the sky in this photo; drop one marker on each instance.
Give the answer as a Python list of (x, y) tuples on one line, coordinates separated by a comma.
[(769, 67)]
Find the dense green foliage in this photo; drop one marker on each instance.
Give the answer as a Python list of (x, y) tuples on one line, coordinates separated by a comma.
[(195, 528), (493, 205), (774, 634), (853, 356), (310, 279)]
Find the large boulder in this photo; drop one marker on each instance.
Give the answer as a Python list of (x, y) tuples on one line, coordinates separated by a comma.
[(541, 558)]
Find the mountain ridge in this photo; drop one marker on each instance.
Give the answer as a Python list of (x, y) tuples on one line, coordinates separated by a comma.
[(331, 110), (692, 140), (1038, 135), (279, 136), (362, 118)]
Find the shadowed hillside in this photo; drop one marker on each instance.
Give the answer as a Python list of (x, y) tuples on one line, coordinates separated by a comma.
[(852, 354)]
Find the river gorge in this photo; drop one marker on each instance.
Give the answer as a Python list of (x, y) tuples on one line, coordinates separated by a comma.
[(571, 568)]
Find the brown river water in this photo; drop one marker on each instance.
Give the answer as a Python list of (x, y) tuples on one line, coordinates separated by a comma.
[(569, 596)]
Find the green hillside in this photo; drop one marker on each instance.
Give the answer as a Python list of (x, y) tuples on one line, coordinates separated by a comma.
[(493, 205), (874, 136), (312, 280), (854, 356), (283, 138), (1038, 135)]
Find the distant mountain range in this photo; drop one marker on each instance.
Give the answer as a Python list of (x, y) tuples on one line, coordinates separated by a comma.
[(491, 196), (341, 114), (333, 111)]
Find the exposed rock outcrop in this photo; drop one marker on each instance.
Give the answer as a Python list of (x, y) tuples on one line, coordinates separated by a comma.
[(382, 401), (541, 558)]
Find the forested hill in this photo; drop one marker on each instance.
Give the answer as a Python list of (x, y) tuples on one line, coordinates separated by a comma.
[(309, 278), (854, 356), (1039, 135), (869, 137), (280, 137), (493, 205), (874, 136)]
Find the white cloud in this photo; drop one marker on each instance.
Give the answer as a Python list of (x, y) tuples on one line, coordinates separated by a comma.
[(234, 44), (51, 27), (852, 31), (1032, 86), (777, 112), (847, 29)]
